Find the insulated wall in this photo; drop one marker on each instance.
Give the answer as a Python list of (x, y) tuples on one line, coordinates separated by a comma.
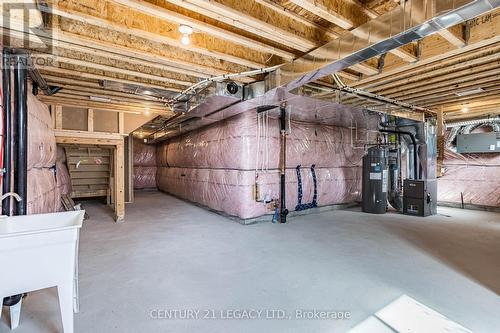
[(63, 179), (218, 166), (475, 177), (144, 165), (43, 192)]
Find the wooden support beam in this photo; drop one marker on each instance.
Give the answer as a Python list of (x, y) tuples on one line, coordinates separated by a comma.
[(111, 69), (75, 102), (247, 22), (74, 86), (82, 93), (126, 105), (449, 34), (58, 116), (90, 120), (480, 70), (119, 175), (80, 74), (121, 123), (296, 17), (324, 12), (129, 170), (452, 36), (153, 37), (64, 40), (168, 15), (99, 137)]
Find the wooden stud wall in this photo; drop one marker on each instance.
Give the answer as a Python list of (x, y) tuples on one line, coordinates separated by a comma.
[(90, 170)]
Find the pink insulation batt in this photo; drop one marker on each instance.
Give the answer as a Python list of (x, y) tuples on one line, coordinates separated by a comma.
[(63, 179), (216, 166), (477, 176), (43, 192), (144, 165)]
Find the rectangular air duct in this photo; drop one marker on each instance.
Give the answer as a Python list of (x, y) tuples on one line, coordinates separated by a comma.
[(412, 21)]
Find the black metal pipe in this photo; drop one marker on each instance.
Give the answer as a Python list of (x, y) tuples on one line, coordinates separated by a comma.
[(40, 81), (21, 138), (283, 210), (414, 142), (7, 131)]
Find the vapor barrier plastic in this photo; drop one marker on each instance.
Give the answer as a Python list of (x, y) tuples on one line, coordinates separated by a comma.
[(63, 178), (144, 165), (473, 176), (43, 193), (216, 166)]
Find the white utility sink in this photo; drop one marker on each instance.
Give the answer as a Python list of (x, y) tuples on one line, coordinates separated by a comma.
[(41, 251)]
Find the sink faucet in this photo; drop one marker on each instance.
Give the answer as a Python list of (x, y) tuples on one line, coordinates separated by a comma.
[(11, 194)]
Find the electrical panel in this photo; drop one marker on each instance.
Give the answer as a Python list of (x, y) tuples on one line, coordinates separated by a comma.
[(478, 143)]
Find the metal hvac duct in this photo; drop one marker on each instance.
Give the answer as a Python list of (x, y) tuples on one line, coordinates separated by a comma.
[(482, 121), (413, 20)]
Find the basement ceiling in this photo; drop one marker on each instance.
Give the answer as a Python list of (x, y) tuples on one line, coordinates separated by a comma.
[(128, 43)]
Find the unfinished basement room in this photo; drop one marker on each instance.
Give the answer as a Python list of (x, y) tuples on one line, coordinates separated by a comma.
[(254, 166)]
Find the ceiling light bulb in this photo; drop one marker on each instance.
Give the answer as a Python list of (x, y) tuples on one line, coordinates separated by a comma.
[(465, 109), (147, 112), (185, 40), (185, 29)]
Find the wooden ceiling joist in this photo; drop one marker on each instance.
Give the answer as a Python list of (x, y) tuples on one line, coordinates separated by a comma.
[(82, 103), (246, 22), (168, 15), (111, 69), (392, 75), (153, 37), (85, 75), (136, 43), (321, 10), (324, 12), (241, 20), (453, 38), (331, 34)]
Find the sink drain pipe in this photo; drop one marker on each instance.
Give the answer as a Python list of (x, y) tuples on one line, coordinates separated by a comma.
[(7, 132), (19, 132)]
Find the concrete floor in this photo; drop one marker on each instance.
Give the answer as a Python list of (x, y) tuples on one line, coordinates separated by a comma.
[(171, 255)]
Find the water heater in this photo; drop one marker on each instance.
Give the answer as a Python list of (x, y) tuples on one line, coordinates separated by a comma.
[(375, 180)]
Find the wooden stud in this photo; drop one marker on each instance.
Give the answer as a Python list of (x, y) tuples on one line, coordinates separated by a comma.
[(119, 182), (121, 123), (90, 120), (58, 116)]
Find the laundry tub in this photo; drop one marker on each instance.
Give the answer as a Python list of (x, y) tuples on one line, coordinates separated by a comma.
[(41, 251)]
